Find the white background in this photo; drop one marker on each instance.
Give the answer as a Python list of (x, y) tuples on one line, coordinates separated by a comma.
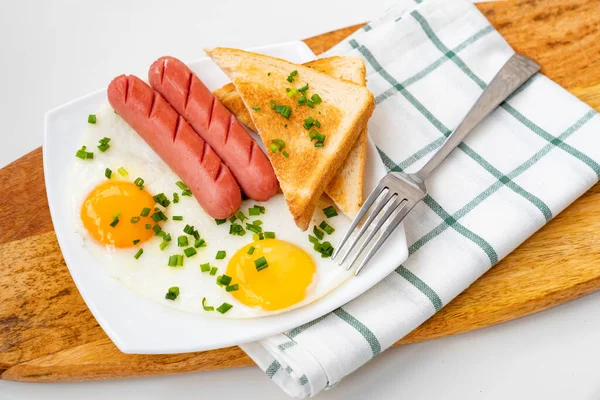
[(55, 51)]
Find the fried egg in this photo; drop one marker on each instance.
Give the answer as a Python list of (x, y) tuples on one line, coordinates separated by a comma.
[(212, 264)]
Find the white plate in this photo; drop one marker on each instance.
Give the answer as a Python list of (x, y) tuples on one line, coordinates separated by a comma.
[(139, 325)]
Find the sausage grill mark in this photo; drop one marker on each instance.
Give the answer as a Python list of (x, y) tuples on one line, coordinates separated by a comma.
[(177, 125), (189, 92), (126, 91)]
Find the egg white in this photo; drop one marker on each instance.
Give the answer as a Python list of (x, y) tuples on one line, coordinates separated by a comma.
[(150, 276)]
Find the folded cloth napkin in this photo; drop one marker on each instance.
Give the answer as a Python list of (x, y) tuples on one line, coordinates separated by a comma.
[(426, 65)]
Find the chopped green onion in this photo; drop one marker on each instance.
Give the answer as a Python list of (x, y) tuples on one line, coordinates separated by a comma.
[(206, 308), (182, 241), (260, 263), (253, 211), (159, 216), (92, 119), (145, 212), (136, 241), (190, 251), (180, 260), (103, 147), (318, 233), (115, 221), (163, 245), (301, 100), (200, 243), (186, 192), (285, 154), (258, 236), (269, 74), (157, 229), (330, 212), (148, 226), (308, 123), (292, 92), (273, 147), (251, 250), (290, 78), (107, 173), (326, 227), (313, 239), (325, 248), (223, 308), (173, 260), (316, 98), (138, 254), (181, 185), (257, 222), (220, 221), (236, 229), (240, 215), (161, 199), (232, 288), (175, 198), (139, 182), (221, 254), (272, 104), (172, 293), (269, 235), (188, 229), (205, 267), (284, 111), (317, 123), (303, 88), (254, 228), (223, 280), (81, 153), (310, 103), (122, 171), (256, 108), (213, 271), (177, 218), (135, 220)]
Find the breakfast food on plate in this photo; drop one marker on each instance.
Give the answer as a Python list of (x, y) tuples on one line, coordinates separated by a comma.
[(310, 128), (346, 189), (163, 213), (216, 125), (179, 146)]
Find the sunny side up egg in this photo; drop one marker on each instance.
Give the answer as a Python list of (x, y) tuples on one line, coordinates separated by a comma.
[(294, 275)]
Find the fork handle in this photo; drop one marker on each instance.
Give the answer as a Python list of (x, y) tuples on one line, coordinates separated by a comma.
[(513, 74)]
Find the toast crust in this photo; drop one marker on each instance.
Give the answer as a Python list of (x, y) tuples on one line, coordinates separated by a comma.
[(345, 110)]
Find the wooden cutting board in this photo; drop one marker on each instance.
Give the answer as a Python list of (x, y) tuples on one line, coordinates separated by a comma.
[(48, 334)]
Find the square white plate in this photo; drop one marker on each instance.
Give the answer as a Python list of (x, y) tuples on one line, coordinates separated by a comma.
[(139, 325)]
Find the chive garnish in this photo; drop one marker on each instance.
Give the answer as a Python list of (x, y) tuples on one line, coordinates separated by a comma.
[(172, 293), (318, 233), (139, 182), (310, 103), (285, 154), (317, 123), (313, 239), (115, 220), (103, 144), (290, 78), (256, 108), (148, 226), (272, 104), (205, 267), (136, 241), (107, 173), (251, 250), (213, 271), (330, 212), (292, 92), (308, 123), (163, 245), (220, 221), (145, 212), (190, 251), (223, 308), (301, 100), (135, 220), (221, 254), (159, 216), (177, 218), (316, 98), (236, 229), (84, 155), (303, 88), (257, 222), (232, 219), (240, 215), (254, 228), (260, 263), (253, 211), (232, 288), (284, 111), (182, 241), (269, 235), (157, 229), (92, 119), (223, 280), (200, 243), (173, 260), (206, 308), (175, 197), (186, 192), (122, 171), (181, 185), (161, 199), (326, 227), (138, 254)]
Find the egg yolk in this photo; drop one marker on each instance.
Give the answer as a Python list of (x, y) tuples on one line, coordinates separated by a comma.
[(282, 284), (122, 200)]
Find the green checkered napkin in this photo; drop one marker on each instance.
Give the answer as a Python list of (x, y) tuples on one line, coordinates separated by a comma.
[(426, 65)]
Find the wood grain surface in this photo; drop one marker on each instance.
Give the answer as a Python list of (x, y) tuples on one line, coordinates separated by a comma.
[(47, 334)]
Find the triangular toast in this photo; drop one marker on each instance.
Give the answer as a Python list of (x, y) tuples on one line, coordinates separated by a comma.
[(343, 113), (346, 189)]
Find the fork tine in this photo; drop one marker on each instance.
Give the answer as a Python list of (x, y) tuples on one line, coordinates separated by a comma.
[(361, 213), (379, 204), (394, 205), (384, 235)]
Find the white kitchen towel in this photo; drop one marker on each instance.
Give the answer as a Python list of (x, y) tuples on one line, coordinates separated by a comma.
[(427, 62)]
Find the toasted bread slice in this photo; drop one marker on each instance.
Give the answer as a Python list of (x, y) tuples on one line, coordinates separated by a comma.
[(346, 189), (343, 115)]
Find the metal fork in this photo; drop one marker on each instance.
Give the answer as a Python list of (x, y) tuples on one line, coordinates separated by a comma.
[(397, 193)]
